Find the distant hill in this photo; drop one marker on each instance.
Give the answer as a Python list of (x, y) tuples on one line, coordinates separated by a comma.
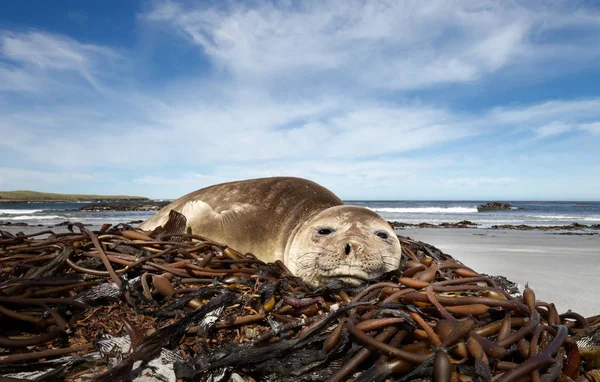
[(33, 196)]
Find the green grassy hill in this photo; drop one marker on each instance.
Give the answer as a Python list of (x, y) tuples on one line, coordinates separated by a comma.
[(33, 196)]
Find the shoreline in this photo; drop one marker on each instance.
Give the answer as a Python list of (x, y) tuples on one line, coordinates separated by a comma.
[(398, 226), (521, 227)]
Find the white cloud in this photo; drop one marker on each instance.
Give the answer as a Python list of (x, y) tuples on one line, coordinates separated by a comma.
[(268, 130), (18, 80), (593, 128), (182, 179), (397, 45), (476, 182), (21, 178), (346, 177), (37, 52), (547, 111), (257, 129), (43, 51), (544, 120), (552, 129), (324, 90)]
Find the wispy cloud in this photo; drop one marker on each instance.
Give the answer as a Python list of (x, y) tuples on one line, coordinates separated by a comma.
[(397, 45), (593, 127), (17, 178), (12, 79), (35, 53), (482, 181), (552, 129)]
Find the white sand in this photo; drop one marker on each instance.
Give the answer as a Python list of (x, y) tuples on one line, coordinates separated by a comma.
[(563, 269)]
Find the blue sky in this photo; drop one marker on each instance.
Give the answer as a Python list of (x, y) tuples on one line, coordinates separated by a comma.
[(375, 100)]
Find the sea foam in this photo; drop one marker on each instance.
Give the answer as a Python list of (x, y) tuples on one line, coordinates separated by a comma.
[(19, 212), (37, 217)]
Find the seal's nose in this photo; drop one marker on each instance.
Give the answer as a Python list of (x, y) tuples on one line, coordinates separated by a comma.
[(353, 247)]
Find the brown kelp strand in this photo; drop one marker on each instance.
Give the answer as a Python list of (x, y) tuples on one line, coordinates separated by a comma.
[(90, 304)]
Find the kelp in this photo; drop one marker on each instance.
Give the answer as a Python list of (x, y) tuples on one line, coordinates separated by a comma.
[(123, 304)]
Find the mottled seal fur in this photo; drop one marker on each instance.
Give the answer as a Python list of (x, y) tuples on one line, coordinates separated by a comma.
[(294, 220)]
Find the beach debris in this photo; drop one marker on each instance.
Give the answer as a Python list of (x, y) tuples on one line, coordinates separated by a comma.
[(124, 304)]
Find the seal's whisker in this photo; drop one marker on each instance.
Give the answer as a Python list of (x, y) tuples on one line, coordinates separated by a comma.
[(309, 253)]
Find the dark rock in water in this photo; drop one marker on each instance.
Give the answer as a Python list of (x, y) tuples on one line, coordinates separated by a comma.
[(66, 224), (400, 225), (11, 224), (152, 206), (460, 224), (494, 206)]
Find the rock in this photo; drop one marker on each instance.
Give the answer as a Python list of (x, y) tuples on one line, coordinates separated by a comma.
[(18, 224), (400, 225), (494, 206), (460, 224)]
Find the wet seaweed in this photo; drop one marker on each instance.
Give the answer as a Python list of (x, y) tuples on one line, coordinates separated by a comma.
[(123, 304)]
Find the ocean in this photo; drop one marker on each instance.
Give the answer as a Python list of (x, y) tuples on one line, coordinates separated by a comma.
[(433, 212), (47, 214)]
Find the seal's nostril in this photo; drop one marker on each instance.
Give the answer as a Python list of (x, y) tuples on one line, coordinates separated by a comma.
[(347, 249)]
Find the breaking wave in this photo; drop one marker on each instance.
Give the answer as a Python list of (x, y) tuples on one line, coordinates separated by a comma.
[(38, 217), (19, 212)]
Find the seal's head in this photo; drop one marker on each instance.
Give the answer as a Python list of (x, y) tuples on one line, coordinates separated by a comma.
[(349, 243)]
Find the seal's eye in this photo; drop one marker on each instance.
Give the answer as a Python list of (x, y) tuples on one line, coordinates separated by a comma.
[(325, 231), (382, 234)]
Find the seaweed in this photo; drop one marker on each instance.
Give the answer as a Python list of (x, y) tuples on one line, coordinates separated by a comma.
[(124, 304)]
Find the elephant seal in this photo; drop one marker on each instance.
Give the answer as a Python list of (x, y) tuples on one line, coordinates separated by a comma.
[(294, 220)]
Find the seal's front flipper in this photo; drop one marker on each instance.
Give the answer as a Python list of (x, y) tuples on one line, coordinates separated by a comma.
[(176, 223), (174, 226), (199, 214)]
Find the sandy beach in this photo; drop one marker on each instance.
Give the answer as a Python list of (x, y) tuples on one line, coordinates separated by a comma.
[(560, 268), (563, 269)]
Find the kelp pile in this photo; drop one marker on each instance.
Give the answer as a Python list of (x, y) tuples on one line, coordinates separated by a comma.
[(119, 303)]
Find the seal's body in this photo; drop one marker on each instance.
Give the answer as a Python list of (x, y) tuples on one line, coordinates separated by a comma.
[(294, 220)]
